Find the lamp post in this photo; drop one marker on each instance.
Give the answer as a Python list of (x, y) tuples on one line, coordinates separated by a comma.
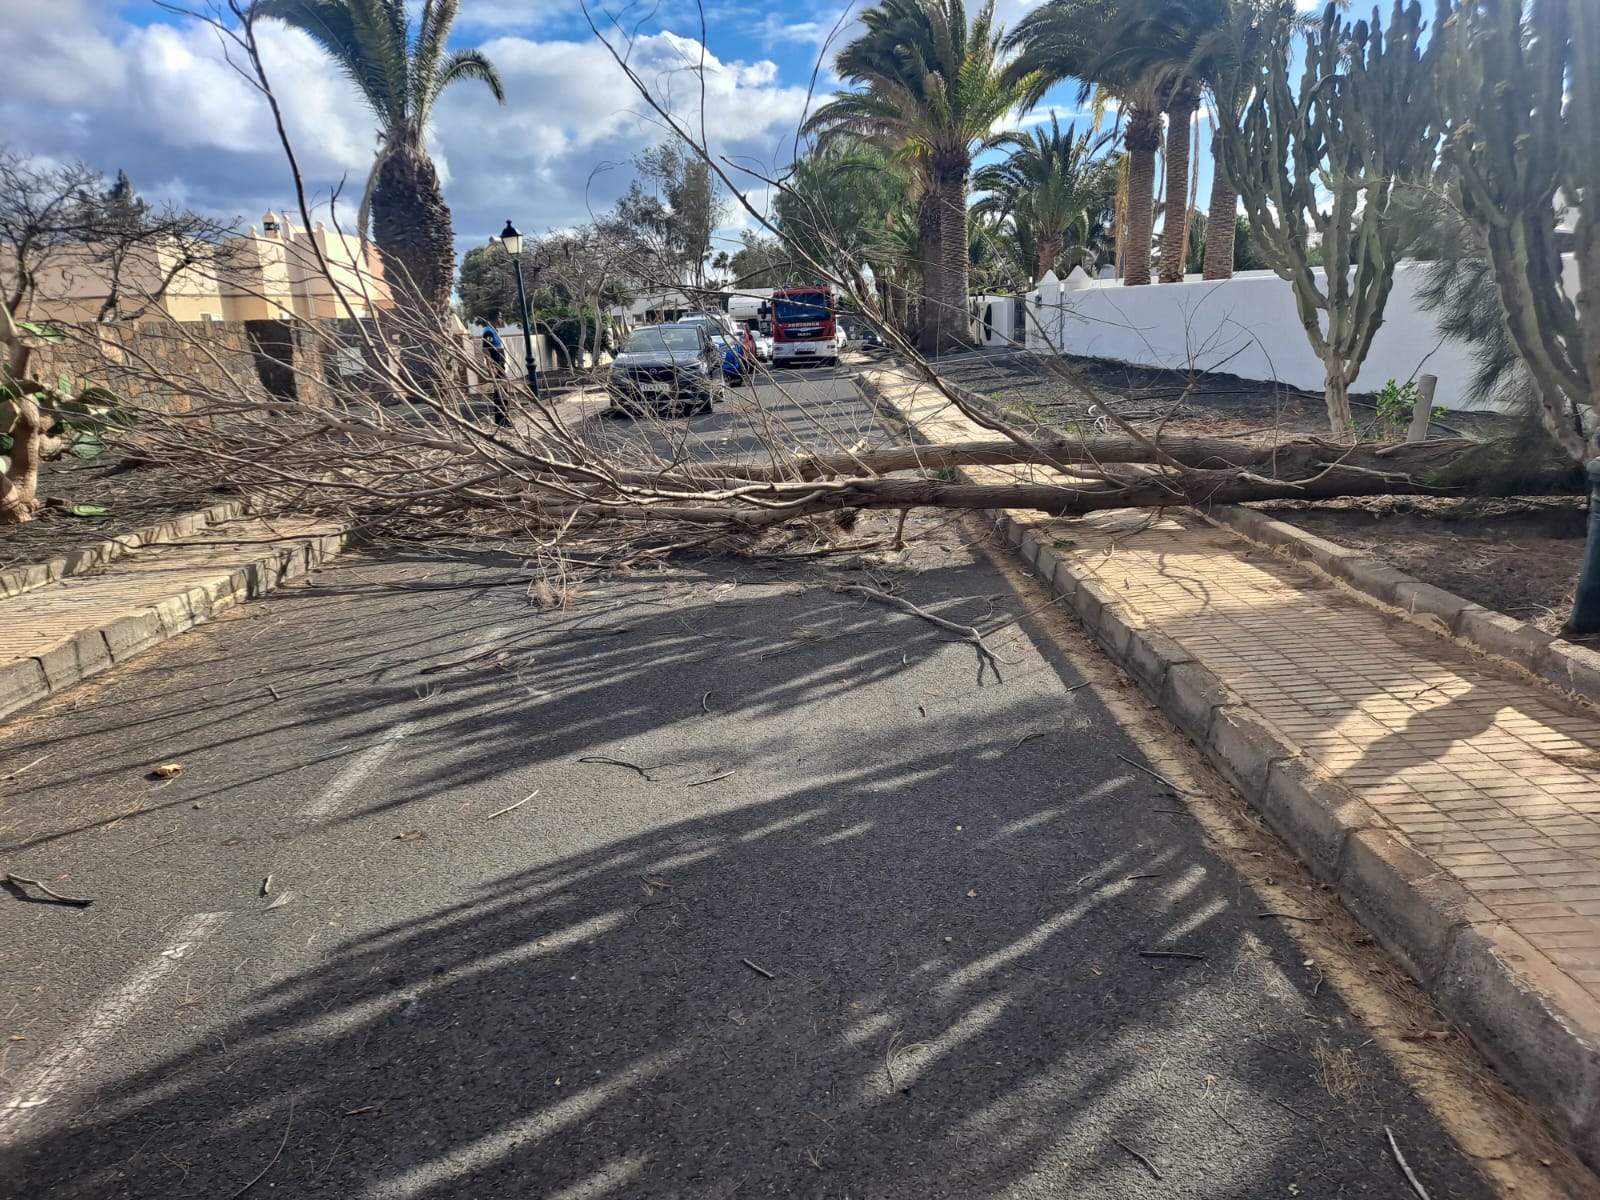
[(511, 239)]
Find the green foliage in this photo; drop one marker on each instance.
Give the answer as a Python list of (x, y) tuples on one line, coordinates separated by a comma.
[(486, 284), (1055, 191), (79, 422), (1397, 403), (576, 332)]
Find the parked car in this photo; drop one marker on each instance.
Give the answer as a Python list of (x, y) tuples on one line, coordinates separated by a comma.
[(718, 321), (841, 339), (670, 369), (738, 365), (763, 341), (870, 339)]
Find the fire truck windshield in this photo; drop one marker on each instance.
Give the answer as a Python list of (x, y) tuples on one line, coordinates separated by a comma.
[(802, 307)]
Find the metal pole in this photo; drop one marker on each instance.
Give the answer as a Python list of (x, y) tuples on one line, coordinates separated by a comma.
[(1585, 617), (528, 358)]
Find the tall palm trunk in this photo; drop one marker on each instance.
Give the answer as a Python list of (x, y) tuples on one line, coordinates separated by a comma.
[(955, 263), (928, 225), (1174, 226), (1142, 139), (411, 226), (1220, 220)]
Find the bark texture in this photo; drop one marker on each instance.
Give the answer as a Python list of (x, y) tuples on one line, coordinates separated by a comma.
[(1174, 223), (412, 228), (950, 300), (1221, 221), (1143, 139), (19, 484)]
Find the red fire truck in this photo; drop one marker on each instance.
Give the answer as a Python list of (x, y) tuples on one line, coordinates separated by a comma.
[(803, 326)]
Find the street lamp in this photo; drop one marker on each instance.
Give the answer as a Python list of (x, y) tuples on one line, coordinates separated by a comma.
[(511, 239)]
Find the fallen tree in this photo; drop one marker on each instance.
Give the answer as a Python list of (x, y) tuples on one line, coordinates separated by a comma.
[(388, 446)]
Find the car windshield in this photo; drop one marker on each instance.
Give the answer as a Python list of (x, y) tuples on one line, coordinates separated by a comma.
[(808, 306), (664, 338), (723, 340)]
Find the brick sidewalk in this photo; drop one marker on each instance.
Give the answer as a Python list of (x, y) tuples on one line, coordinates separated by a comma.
[(61, 632), (1489, 774)]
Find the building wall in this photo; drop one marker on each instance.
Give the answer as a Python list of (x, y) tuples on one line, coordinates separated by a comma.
[(264, 275), (1246, 326)]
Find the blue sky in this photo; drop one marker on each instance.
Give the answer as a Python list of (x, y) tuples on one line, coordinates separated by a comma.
[(127, 84)]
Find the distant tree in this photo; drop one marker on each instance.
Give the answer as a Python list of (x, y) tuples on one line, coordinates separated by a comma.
[(762, 262), (931, 89), (1057, 189)]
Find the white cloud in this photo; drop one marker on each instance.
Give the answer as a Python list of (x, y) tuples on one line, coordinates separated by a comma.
[(162, 102)]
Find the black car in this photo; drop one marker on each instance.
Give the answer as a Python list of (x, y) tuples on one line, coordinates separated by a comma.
[(670, 369)]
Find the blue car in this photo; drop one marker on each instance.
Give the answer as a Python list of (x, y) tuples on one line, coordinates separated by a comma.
[(738, 365)]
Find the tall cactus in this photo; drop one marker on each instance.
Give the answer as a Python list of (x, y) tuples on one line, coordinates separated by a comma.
[(1525, 125), (1515, 138), (1330, 158)]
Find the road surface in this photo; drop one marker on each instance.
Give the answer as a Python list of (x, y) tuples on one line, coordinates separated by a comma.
[(717, 882)]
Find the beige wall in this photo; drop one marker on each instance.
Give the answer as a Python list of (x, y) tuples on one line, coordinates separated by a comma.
[(267, 274)]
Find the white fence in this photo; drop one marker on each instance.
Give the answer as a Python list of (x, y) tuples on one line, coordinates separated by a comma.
[(1246, 326)]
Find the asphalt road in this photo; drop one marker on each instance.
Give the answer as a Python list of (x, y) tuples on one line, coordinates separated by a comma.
[(792, 905)]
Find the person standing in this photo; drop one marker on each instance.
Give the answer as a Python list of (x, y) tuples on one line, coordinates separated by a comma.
[(494, 354)]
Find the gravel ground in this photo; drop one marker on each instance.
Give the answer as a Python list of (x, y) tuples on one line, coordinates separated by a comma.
[(135, 495), (1519, 556)]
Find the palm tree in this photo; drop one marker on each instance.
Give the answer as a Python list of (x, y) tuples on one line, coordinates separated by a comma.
[(400, 73), (1065, 39), (1053, 185), (930, 90)]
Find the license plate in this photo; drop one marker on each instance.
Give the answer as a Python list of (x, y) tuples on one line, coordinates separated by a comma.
[(651, 386)]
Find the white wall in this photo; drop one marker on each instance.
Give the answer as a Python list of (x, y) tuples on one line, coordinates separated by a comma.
[(1246, 326)]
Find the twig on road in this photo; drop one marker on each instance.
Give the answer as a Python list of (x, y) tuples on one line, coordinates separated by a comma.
[(1405, 1167), (28, 767), (1285, 916), (15, 884), (266, 884), (512, 807), (617, 762), (1172, 954), (1182, 791), (713, 779), (705, 706), (761, 971), (287, 1125), (1148, 1165), (965, 633)]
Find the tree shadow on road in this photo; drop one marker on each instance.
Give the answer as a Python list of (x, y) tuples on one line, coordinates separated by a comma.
[(902, 951)]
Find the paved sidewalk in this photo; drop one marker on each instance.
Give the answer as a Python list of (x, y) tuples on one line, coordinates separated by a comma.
[(1490, 775), (59, 633)]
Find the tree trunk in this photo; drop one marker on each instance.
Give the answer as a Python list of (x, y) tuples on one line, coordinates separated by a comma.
[(1282, 461), (1049, 251), (19, 483), (412, 228), (928, 216), (1336, 385), (1175, 224), (1142, 139), (952, 318), (1221, 220)]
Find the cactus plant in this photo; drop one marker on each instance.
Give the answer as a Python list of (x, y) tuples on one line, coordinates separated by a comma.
[(1330, 158)]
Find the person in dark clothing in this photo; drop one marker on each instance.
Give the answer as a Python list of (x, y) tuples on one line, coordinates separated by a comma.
[(494, 354)]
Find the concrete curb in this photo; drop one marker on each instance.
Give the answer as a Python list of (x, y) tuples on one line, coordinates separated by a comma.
[(1547, 1046), (72, 659), (25, 578), (1574, 669)]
